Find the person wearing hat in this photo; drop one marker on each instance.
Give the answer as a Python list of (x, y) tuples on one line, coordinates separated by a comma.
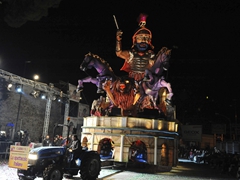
[(141, 55)]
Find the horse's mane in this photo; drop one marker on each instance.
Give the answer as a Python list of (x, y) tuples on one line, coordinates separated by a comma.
[(123, 100), (163, 50), (100, 59)]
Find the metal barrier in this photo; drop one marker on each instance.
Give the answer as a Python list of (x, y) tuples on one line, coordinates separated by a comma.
[(229, 147), (5, 148)]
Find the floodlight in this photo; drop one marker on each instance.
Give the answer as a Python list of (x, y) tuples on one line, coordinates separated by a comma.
[(43, 96), (35, 93), (18, 88), (59, 99), (9, 87), (53, 97), (36, 77)]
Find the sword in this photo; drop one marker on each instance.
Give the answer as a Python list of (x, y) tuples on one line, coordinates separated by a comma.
[(115, 20)]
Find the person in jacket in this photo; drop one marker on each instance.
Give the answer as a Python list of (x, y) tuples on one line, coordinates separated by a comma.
[(46, 141), (75, 146)]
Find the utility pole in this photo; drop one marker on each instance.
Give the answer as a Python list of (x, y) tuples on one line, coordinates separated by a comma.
[(20, 100)]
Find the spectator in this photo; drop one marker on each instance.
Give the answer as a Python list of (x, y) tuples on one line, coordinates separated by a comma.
[(19, 136), (70, 139), (75, 147), (25, 141), (40, 139), (46, 141), (63, 141), (57, 141), (3, 137)]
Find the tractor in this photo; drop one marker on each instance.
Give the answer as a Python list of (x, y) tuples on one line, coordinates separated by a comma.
[(53, 162)]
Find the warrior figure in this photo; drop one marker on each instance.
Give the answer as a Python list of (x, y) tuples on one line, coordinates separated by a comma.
[(141, 55)]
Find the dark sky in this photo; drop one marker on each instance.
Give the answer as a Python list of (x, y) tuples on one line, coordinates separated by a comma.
[(56, 34)]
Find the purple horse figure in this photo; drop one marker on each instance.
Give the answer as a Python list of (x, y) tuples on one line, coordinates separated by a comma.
[(154, 79), (101, 66)]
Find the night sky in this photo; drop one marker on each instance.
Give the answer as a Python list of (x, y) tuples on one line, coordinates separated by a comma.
[(56, 34)]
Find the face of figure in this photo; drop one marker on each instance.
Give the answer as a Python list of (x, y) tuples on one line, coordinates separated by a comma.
[(142, 41), (143, 38), (74, 138), (124, 86)]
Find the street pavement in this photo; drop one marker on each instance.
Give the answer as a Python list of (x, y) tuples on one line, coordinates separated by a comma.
[(186, 170)]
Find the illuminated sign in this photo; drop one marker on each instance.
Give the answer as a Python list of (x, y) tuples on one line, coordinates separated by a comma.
[(192, 133)]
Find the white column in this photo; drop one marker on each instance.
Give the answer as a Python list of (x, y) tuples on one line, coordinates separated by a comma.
[(175, 155), (121, 148), (92, 141), (155, 150)]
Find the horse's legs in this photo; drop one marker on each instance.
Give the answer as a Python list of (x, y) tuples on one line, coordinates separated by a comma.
[(168, 86), (86, 80), (148, 75), (100, 81), (154, 99), (170, 93), (80, 84)]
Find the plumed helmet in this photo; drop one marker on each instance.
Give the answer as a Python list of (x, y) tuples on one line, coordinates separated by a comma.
[(142, 21)]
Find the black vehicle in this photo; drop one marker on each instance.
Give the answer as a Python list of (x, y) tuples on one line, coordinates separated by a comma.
[(52, 162)]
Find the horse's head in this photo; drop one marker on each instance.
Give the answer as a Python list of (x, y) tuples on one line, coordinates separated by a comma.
[(86, 64), (164, 54), (163, 57)]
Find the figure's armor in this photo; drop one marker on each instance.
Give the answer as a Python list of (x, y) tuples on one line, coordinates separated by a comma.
[(118, 46), (139, 64)]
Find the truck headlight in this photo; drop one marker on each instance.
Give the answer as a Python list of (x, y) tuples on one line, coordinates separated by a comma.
[(33, 156)]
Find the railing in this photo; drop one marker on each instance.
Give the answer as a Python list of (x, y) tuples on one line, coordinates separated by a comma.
[(5, 148), (229, 147)]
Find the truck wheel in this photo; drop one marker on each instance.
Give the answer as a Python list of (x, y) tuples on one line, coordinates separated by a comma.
[(90, 167), (25, 178), (52, 172), (22, 178)]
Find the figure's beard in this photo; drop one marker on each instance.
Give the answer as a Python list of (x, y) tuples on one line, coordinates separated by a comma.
[(142, 46)]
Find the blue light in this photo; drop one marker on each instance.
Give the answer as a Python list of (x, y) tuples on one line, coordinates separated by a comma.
[(139, 156), (19, 88), (43, 96)]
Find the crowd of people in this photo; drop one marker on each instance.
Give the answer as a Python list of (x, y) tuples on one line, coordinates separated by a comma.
[(23, 138), (225, 163), (58, 140)]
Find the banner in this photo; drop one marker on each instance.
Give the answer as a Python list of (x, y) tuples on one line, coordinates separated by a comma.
[(192, 133), (83, 110), (18, 157), (73, 96)]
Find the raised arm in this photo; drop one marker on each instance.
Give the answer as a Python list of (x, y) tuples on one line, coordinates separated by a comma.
[(119, 52)]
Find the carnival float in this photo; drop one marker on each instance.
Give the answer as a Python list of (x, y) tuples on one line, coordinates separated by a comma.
[(133, 121)]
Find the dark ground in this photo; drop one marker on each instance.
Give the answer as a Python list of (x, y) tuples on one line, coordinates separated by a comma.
[(186, 170)]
